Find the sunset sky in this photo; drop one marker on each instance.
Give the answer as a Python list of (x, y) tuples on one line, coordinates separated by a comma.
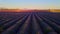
[(30, 4)]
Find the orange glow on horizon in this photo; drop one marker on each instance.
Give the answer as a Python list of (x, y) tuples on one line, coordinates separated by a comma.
[(55, 10), (29, 10)]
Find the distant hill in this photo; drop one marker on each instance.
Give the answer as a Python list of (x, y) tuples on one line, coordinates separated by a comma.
[(22, 10)]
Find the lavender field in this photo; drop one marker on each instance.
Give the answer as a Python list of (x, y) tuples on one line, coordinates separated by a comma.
[(29, 23)]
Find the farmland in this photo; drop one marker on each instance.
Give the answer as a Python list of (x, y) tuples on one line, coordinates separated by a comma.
[(29, 23)]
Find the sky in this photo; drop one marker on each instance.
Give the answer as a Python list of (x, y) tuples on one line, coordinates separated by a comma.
[(30, 4)]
